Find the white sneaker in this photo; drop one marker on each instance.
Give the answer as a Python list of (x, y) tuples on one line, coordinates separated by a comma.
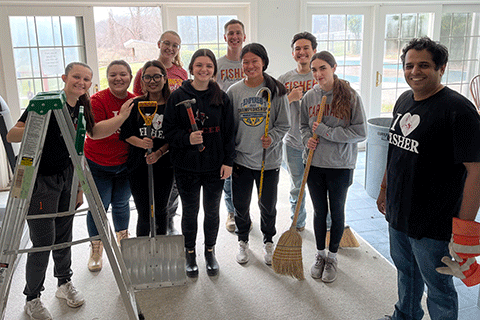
[(36, 310), (268, 251), (242, 254), (68, 292)]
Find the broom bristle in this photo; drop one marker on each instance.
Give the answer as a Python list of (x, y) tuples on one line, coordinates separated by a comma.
[(348, 239), (287, 257)]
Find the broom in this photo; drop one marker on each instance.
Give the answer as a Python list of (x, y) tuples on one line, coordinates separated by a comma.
[(287, 257), (267, 122), (348, 239)]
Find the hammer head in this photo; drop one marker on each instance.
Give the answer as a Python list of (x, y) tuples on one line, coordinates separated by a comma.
[(187, 103)]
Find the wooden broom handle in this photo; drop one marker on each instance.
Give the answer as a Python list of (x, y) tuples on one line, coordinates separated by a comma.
[(307, 166)]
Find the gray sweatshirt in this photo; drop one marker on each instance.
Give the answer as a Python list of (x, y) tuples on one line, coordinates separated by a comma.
[(291, 80), (338, 138), (250, 113)]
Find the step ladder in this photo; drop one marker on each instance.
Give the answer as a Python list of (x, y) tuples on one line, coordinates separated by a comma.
[(41, 108)]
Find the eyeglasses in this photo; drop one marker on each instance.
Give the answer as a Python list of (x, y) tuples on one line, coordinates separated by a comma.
[(156, 77), (169, 44)]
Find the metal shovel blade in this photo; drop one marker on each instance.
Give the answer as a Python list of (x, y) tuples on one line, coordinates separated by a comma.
[(155, 262)]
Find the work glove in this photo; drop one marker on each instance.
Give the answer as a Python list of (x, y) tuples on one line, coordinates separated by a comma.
[(464, 247)]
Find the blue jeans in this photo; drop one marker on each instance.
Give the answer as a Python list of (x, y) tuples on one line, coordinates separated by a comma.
[(227, 189), (295, 167), (416, 261), (114, 189)]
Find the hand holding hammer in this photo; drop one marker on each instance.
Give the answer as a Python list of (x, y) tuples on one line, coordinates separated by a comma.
[(196, 136)]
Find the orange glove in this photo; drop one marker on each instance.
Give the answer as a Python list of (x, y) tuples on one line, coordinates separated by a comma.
[(464, 247)]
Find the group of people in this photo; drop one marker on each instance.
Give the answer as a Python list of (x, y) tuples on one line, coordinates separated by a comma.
[(224, 151)]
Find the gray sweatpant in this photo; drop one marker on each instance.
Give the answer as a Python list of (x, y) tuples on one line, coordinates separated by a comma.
[(51, 194)]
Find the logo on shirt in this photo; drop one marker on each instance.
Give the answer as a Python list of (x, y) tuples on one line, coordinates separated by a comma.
[(253, 111), (408, 123)]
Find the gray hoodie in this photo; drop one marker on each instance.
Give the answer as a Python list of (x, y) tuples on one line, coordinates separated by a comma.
[(249, 112), (338, 138)]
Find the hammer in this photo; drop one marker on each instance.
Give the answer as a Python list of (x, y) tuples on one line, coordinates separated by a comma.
[(188, 106)]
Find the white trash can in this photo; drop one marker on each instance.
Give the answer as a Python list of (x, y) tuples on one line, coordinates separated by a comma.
[(376, 154)]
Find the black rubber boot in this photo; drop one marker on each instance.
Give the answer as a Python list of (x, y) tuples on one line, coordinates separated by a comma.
[(191, 264), (170, 227), (211, 261)]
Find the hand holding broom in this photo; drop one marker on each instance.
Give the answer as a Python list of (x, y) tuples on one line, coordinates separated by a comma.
[(287, 257)]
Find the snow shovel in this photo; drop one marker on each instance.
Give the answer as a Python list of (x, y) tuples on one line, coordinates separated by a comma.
[(155, 261)]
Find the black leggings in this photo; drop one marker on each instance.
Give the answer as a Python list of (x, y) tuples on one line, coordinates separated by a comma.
[(328, 190)]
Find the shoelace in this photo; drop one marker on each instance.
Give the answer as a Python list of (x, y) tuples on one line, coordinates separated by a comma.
[(70, 288)]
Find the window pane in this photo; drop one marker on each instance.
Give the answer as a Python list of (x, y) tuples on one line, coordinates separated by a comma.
[(459, 25), (26, 91), (72, 31), (187, 52), (45, 37), (392, 26), (389, 97), (57, 38), (391, 50), (18, 27), (32, 31), (423, 24), (320, 26), (337, 27), (73, 54), (409, 23), (187, 29), (23, 66), (35, 62), (355, 27), (446, 25), (457, 47), (207, 29), (51, 84)]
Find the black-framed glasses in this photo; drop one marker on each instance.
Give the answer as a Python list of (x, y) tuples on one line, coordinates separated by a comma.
[(175, 46), (156, 77)]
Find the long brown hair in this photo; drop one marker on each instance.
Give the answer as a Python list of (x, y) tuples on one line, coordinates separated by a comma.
[(84, 99), (341, 106)]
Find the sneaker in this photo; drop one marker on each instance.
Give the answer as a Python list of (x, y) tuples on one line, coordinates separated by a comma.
[(242, 254), (330, 270), (268, 251), (95, 260), (317, 269), (36, 310), (230, 222), (68, 292)]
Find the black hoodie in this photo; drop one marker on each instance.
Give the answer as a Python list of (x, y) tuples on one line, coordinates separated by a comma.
[(216, 121)]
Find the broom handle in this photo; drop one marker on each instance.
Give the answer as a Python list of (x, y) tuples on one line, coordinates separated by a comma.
[(267, 123), (307, 166)]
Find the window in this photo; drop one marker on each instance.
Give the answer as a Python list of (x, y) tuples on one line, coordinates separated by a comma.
[(127, 33), (341, 35), (42, 47), (399, 30), (460, 34), (202, 32)]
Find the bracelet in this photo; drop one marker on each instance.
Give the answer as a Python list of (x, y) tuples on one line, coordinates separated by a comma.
[(162, 152)]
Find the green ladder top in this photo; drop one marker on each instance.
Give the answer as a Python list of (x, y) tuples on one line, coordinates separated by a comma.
[(45, 101)]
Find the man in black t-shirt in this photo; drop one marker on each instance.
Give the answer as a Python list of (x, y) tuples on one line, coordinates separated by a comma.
[(432, 178)]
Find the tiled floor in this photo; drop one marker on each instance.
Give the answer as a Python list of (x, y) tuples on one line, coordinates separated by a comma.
[(362, 215)]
